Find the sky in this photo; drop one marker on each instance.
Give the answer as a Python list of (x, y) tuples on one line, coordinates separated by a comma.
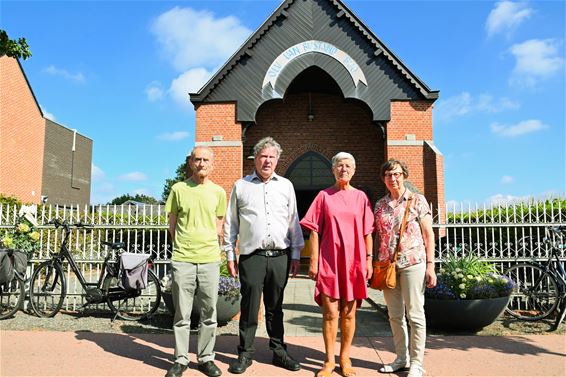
[(119, 72)]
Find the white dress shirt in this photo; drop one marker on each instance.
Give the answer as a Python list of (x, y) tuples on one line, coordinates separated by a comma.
[(264, 216)]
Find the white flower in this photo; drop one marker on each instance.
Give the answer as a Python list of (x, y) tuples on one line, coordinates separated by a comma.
[(490, 281), (503, 280), (478, 278), (461, 276), (470, 277), (462, 295), (462, 286), (464, 280), (442, 270), (458, 269)]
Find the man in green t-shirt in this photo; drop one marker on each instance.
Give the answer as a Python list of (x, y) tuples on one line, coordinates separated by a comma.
[(196, 208)]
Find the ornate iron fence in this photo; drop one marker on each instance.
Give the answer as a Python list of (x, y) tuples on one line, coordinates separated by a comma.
[(502, 234)]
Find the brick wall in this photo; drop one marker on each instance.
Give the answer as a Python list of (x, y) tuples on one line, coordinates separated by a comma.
[(66, 173), (338, 125), (219, 120), (22, 135)]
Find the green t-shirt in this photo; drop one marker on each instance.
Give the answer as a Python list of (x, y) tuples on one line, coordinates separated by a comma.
[(197, 207)]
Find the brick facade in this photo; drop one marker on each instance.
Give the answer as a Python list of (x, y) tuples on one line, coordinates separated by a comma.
[(338, 125), (22, 135)]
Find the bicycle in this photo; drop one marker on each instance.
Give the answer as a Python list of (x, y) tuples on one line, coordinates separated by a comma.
[(12, 292), (540, 288), (48, 286)]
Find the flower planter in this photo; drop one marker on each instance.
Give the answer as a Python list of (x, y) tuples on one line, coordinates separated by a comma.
[(226, 308), (463, 315)]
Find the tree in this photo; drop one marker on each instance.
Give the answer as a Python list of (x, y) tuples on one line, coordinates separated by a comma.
[(181, 175), (138, 198), (13, 48)]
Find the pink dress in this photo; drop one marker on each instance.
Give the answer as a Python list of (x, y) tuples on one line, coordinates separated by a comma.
[(341, 218)]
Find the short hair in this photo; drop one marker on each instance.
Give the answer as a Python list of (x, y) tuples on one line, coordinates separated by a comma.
[(343, 156), (392, 164), (265, 143), (201, 147)]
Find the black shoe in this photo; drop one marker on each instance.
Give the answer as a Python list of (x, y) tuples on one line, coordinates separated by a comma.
[(286, 362), (210, 369), (240, 365), (176, 370)]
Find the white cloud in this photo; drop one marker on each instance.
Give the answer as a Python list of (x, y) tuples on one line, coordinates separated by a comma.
[(536, 59), (506, 16), (173, 136), (502, 199), (521, 128), (135, 176), (506, 179), (189, 82), (153, 91), (47, 114), (466, 104), (75, 77), (192, 38), (96, 174)]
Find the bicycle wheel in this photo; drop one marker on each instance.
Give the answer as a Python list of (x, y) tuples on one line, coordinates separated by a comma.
[(133, 305), (47, 289), (535, 295), (11, 296)]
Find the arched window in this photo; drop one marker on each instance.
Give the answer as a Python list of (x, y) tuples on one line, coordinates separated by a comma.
[(311, 171)]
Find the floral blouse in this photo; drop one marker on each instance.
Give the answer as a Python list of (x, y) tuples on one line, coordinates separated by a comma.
[(388, 215)]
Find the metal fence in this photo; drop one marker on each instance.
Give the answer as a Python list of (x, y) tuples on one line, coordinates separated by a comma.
[(502, 234)]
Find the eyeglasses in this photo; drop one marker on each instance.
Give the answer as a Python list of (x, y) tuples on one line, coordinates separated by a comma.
[(395, 174)]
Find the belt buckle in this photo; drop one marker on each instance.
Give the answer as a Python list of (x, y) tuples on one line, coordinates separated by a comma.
[(269, 253)]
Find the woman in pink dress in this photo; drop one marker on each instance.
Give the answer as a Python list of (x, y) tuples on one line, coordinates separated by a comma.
[(340, 221)]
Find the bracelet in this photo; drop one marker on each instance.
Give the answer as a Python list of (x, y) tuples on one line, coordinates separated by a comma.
[(369, 255), (431, 262)]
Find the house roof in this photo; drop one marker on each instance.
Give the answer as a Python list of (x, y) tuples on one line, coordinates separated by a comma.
[(248, 51)]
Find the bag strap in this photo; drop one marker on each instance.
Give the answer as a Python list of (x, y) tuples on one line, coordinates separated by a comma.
[(403, 225)]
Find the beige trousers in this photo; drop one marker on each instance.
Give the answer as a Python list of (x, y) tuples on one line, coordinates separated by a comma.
[(408, 298)]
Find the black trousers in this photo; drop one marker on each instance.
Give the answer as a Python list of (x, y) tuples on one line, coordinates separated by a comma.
[(268, 275)]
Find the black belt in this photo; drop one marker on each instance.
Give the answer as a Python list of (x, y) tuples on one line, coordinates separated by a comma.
[(271, 253)]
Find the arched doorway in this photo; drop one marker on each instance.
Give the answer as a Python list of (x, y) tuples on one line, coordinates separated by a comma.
[(309, 173)]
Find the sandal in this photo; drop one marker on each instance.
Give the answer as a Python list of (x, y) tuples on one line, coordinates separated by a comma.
[(327, 369), (346, 369)]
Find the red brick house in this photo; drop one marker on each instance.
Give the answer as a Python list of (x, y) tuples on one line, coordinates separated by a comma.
[(38, 157), (315, 78)]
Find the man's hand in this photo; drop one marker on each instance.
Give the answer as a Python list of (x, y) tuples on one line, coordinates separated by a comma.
[(295, 266), (233, 268)]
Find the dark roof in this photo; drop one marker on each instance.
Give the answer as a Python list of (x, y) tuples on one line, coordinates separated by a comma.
[(295, 21)]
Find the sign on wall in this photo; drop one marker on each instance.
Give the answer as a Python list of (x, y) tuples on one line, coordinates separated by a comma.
[(313, 46)]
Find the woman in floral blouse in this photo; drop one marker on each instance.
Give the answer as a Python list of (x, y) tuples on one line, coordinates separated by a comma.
[(415, 265)]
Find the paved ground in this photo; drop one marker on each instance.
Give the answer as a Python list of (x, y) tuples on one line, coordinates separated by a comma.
[(83, 352)]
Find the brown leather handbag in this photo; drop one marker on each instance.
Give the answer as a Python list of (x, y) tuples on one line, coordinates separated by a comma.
[(384, 272)]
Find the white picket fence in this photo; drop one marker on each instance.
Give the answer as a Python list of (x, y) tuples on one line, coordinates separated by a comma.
[(502, 234)]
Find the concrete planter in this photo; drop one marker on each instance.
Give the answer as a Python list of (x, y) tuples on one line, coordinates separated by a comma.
[(226, 308), (463, 315)]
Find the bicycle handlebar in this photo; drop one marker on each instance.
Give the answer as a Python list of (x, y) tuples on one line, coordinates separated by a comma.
[(58, 223)]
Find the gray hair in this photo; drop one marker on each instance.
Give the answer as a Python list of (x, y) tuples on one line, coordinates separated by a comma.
[(343, 156), (201, 147), (265, 143)]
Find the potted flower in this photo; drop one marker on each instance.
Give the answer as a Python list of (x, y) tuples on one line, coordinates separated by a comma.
[(23, 238), (469, 294), (228, 304)]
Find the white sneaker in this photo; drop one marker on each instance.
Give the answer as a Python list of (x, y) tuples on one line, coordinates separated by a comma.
[(416, 371), (395, 366)]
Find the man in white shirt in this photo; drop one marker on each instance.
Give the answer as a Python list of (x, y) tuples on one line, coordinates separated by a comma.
[(262, 217)]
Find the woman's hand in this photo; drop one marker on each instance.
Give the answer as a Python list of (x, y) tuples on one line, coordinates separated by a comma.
[(313, 269), (369, 268), (430, 276)]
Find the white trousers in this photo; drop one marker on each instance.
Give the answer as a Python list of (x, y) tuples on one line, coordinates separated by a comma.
[(408, 298)]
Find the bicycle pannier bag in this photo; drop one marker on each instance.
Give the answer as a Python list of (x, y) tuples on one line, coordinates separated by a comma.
[(133, 271), (6, 267), (20, 261)]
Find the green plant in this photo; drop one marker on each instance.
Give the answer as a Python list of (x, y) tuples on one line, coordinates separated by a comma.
[(23, 236), (468, 278)]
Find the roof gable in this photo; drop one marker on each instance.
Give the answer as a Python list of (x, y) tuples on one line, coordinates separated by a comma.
[(244, 78)]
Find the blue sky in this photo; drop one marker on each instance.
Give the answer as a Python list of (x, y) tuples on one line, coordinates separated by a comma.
[(119, 71)]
